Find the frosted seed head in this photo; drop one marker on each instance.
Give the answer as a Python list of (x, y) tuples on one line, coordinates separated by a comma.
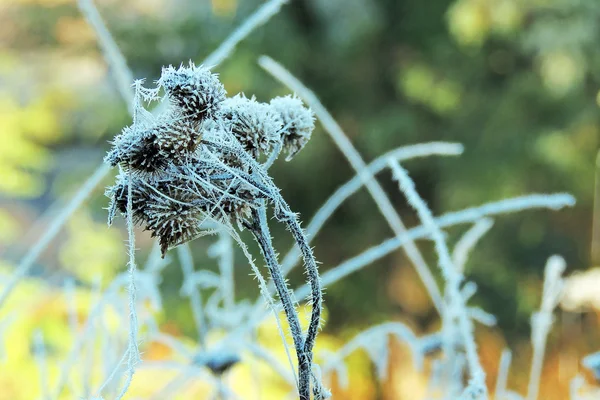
[(298, 123), (256, 125), (195, 91), (137, 151), (118, 199), (177, 139)]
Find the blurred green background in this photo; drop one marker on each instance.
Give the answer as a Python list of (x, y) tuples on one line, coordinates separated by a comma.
[(516, 81)]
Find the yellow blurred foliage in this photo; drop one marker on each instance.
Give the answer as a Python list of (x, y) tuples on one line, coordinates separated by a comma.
[(420, 83), (92, 250), (472, 21), (26, 132), (561, 71), (224, 7)]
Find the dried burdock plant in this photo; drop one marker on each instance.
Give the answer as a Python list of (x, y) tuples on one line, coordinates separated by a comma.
[(198, 161)]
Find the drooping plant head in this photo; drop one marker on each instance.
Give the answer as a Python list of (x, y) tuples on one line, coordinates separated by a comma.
[(199, 159)]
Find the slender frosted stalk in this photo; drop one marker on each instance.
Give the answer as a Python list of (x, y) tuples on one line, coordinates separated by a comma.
[(260, 230), (187, 265), (314, 282), (258, 18), (377, 193), (57, 223), (502, 379), (111, 51), (468, 241), (453, 278), (541, 321), (133, 352)]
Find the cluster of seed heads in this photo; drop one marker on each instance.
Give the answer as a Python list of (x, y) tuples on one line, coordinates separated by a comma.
[(203, 157)]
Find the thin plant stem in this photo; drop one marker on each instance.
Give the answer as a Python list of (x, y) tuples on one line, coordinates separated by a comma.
[(266, 295), (468, 241), (541, 321), (502, 379), (133, 352), (259, 228), (314, 281)]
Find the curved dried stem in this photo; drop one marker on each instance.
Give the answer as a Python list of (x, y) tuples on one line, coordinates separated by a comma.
[(260, 230)]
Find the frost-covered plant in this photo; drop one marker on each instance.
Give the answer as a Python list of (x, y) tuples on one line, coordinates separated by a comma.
[(199, 165), (198, 160)]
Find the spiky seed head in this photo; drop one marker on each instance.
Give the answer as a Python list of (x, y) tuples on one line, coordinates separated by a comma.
[(136, 150), (118, 198), (148, 150), (298, 123), (256, 125), (177, 139), (196, 91)]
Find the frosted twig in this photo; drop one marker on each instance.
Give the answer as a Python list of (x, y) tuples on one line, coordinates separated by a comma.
[(502, 379), (377, 193), (112, 53), (314, 282), (57, 223), (260, 230), (258, 18), (133, 353), (541, 321), (468, 241), (187, 265), (469, 215), (456, 302)]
